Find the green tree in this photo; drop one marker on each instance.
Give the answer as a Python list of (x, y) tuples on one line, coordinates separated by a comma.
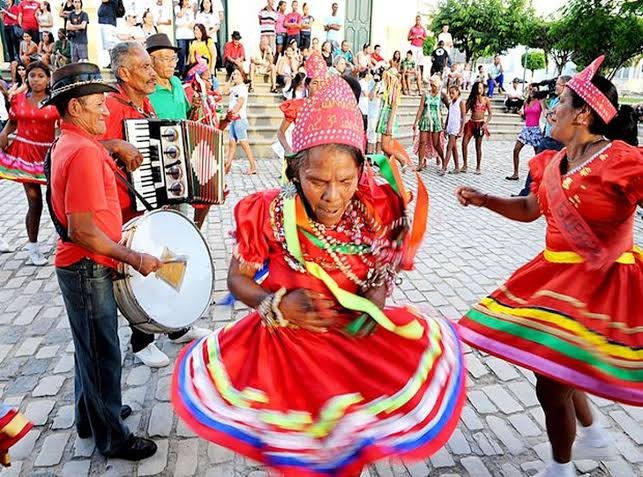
[(533, 60), (549, 35), (610, 27), (482, 26)]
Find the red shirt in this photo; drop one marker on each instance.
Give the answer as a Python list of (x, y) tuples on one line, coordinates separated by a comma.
[(377, 57), (120, 108), (82, 180), (418, 34), (292, 18), (233, 51), (8, 17), (29, 9)]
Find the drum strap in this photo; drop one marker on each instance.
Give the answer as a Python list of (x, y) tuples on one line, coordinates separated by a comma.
[(60, 228), (131, 188)]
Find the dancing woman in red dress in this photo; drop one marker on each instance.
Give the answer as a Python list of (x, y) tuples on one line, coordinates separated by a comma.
[(324, 378), (22, 160), (573, 314)]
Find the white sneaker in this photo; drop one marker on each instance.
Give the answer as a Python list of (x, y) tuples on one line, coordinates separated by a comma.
[(4, 246), (37, 258), (193, 333), (595, 447), (152, 356), (554, 469)]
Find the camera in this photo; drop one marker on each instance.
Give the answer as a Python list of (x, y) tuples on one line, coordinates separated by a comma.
[(545, 88), (377, 73)]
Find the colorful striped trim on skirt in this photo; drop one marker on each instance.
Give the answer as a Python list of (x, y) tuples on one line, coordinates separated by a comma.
[(18, 170), (557, 346), (354, 433)]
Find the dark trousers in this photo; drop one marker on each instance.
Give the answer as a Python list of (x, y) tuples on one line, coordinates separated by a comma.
[(13, 43), (513, 103), (290, 38), (184, 49), (546, 144), (304, 40), (140, 339), (89, 300), (493, 82)]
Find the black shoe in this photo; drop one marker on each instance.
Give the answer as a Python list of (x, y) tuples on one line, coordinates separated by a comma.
[(126, 411), (137, 448)]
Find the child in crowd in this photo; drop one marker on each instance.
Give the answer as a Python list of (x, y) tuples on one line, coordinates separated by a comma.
[(237, 112), (455, 126), (409, 68), (466, 76)]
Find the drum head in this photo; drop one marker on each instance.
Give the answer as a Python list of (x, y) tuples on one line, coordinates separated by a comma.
[(158, 231)]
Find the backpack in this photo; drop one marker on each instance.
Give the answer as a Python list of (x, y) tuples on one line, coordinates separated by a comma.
[(120, 9)]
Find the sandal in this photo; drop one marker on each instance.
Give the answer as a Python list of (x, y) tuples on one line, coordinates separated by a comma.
[(512, 178)]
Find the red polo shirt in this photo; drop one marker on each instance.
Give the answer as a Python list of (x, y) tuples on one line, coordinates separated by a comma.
[(234, 51), (82, 180), (29, 10), (120, 108)]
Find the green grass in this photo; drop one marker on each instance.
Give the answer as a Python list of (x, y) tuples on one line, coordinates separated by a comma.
[(630, 99)]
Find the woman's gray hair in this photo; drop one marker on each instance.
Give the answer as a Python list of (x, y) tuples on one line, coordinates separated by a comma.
[(119, 55), (337, 59), (296, 161)]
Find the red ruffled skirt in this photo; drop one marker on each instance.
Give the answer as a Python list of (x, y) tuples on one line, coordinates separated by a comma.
[(309, 404), (23, 161), (583, 328)]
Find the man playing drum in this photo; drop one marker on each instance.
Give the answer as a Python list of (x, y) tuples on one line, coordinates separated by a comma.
[(136, 79), (83, 202)]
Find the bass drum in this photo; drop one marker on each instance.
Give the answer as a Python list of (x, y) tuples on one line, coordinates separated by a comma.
[(151, 303)]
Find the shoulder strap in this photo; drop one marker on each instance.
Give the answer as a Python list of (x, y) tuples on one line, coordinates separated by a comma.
[(131, 188), (60, 228)]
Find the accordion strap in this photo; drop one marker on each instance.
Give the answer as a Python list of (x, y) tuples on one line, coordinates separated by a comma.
[(131, 188)]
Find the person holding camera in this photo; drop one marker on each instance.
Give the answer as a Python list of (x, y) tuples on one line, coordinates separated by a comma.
[(548, 143), (531, 133)]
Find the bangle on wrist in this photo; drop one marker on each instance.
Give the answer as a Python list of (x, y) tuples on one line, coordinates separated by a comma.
[(140, 263), (269, 311)]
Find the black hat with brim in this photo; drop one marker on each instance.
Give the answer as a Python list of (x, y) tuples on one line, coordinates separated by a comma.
[(159, 41), (74, 81)]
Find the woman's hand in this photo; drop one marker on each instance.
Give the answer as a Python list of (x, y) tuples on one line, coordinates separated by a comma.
[(4, 140), (308, 309), (377, 295), (470, 196)]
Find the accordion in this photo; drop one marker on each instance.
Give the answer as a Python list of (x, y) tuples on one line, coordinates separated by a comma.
[(182, 162)]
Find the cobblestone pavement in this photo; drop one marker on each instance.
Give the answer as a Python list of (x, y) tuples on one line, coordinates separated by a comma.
[(467, 253)]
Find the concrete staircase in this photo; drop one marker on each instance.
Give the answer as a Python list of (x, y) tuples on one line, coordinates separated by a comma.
[(265, 117)]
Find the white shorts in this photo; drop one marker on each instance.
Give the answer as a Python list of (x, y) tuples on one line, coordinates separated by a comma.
[(418, 55)]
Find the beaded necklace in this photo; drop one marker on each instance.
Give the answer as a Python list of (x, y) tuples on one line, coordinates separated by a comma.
[(366, 239)]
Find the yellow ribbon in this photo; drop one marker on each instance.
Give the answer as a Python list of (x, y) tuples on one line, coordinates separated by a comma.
[(627, 258)]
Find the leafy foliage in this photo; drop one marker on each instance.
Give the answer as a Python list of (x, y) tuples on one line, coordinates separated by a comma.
[(609, 27), (483, 27), (533, 60)]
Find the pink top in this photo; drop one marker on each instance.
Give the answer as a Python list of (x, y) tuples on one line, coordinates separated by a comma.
[(279, 27), (417, 31), (533, 111)]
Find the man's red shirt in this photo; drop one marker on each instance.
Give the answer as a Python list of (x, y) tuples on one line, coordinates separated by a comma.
[(82, 180), (121, 108), (234, 52)]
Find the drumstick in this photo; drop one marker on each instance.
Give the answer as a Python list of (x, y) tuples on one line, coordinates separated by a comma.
[(177, 259)]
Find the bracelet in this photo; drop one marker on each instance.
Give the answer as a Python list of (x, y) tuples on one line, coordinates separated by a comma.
[(276, 301), (269, 311), (140, 265)]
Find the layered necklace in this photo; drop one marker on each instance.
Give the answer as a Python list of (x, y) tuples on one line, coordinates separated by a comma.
[(357, 234)]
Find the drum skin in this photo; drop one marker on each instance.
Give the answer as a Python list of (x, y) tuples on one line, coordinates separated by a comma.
[(149, 303)]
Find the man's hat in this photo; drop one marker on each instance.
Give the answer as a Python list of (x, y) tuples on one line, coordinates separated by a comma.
[(236, 35), (76, 80), (159, 41)]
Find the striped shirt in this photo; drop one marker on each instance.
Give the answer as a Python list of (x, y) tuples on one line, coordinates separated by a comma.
[(267, 21)]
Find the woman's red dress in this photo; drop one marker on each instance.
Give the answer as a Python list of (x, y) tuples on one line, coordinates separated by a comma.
[(310, 404), (23, 159), (561, 318)]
